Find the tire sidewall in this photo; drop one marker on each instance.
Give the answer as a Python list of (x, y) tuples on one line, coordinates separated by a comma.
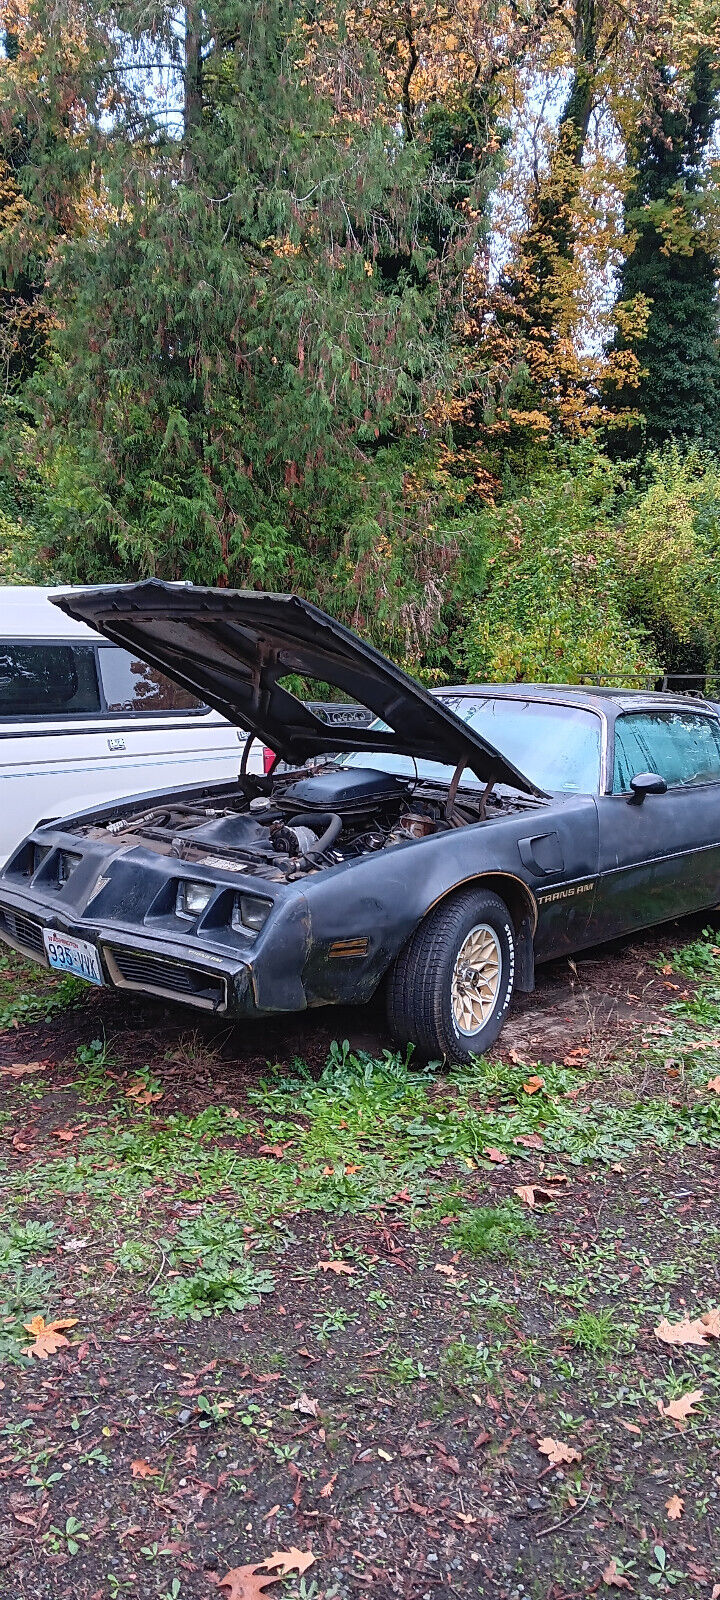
[(495, 916)]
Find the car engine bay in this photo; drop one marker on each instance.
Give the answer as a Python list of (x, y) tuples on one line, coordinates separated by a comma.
[(306, 822)]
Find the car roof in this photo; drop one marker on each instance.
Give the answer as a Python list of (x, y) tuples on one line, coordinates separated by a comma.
[(26, 613), (591, 697)]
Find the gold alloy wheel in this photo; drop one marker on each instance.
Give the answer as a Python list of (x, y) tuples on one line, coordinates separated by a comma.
[(476, 979)]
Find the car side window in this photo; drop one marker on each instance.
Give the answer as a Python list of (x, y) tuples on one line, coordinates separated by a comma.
[(48, 679), (683, 747), (132, 685)]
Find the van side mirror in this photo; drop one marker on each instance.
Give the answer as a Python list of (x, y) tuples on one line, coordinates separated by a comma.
[(645, 783)]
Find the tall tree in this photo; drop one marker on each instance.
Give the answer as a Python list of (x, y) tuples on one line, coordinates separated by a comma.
[(673, 262)]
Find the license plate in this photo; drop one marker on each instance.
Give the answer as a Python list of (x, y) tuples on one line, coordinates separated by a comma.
[(76, 956)]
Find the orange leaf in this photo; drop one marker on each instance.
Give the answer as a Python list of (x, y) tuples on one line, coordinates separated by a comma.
[(687, 1331), (353, 1169), (533, 1084), (245, 1583), (498, 1156), (292, 1560), (66, 1134), (674, 1507), (47, 1338), (531, 1141), (19, 1068), (557, 1452), (613, 1578), (337, 1267), (684, 1406), (271, 1150), (140, 1093), (143, 1469), (714, 1084), (531, 1193)]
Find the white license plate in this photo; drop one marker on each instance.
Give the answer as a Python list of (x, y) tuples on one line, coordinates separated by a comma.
[(66, 954)]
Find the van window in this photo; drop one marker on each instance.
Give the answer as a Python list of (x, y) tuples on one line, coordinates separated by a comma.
[(131, 685), (48, 680)]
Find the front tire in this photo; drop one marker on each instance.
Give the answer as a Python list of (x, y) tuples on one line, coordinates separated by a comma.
[(450, 988)]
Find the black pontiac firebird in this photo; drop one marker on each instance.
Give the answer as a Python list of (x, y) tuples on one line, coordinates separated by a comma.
[(442, 850)]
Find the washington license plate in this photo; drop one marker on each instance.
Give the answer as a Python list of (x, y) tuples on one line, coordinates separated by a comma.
[(74, 956)]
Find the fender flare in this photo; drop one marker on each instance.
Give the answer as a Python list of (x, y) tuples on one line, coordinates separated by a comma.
[(523, 908)]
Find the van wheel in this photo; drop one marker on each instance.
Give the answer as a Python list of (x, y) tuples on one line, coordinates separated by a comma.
[(450, 988)]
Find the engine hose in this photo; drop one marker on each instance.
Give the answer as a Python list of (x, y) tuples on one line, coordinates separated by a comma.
[(325, 819)]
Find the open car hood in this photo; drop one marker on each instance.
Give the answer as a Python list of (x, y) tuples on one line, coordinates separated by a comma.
[(233, 648)]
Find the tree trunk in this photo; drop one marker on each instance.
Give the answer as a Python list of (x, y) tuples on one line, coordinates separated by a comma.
[(192, 109)]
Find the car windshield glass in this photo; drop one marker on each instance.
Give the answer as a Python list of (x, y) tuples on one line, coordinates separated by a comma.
[(556, 746)]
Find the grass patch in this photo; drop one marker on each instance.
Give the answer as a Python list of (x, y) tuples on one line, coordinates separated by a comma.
[(492, 1231)]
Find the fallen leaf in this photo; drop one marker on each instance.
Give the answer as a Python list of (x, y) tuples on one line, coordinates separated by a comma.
[(576, 1055), (19, 1068), (336, 1266), (557, 1452), (351, 1169), (47, 1337), (690, 1331), (271, 1150), (66, 1134), (684, 1406), (674, 1507), (534, 1083), (141, 1095), (613, 1578), (143, 1469), (714, 1084), (446, 1268), (631, 1427), (328, 1487), (246, 1583), (531, 1193), (384, 1455), (497, 1156), (306, 1406), (292, 1560), (531, 1141)]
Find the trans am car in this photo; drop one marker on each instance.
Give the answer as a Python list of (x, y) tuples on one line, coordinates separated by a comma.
[(443, 849)]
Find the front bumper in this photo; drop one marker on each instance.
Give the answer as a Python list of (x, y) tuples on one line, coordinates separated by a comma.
[(146, 964)]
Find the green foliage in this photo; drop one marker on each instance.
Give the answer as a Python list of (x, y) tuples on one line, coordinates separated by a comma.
[(671, 552), (492, 1230), (207, 1293), (555, 604)]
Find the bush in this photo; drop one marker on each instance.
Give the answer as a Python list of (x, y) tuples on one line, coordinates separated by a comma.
[(555, 608)]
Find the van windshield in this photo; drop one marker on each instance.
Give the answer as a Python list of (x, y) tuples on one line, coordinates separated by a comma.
[(556, 746)]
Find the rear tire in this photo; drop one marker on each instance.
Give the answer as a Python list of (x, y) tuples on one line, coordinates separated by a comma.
[(450, 988)]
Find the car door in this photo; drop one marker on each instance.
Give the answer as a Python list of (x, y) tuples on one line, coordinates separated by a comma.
[(661, 858)]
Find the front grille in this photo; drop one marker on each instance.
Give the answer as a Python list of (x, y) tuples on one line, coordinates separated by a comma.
[(22, 930), (131, 969)]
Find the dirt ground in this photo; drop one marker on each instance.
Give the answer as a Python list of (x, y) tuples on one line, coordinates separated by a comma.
[(399, 1324)]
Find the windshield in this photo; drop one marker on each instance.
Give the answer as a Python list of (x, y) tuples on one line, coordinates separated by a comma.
[(556, 746)]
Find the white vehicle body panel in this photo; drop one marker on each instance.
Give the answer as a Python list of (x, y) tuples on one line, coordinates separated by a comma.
[(56, 763)]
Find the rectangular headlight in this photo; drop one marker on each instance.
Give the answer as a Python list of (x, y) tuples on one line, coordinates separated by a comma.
[(250, 913), (192, 898)]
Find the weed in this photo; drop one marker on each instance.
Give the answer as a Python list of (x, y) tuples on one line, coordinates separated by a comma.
[(492, 1230), (208, 1293), (595, 1332)]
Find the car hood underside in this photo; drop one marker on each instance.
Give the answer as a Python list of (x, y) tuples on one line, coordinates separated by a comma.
[(233, 648)]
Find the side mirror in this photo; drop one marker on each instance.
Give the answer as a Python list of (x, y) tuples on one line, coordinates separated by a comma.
[(645, 783)]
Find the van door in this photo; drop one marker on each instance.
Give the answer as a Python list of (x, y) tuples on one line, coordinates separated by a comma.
[(83, 724)]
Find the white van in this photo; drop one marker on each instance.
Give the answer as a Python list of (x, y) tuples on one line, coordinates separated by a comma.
[(81, 721)]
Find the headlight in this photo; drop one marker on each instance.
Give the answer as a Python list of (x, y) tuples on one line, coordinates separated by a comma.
[(192, 898), (67, 865), (249, 912)]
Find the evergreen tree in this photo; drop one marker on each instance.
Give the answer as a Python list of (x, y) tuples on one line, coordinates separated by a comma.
[(673, 264)]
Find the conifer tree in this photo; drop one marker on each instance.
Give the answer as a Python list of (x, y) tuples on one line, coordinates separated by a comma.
[(673, 262)]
